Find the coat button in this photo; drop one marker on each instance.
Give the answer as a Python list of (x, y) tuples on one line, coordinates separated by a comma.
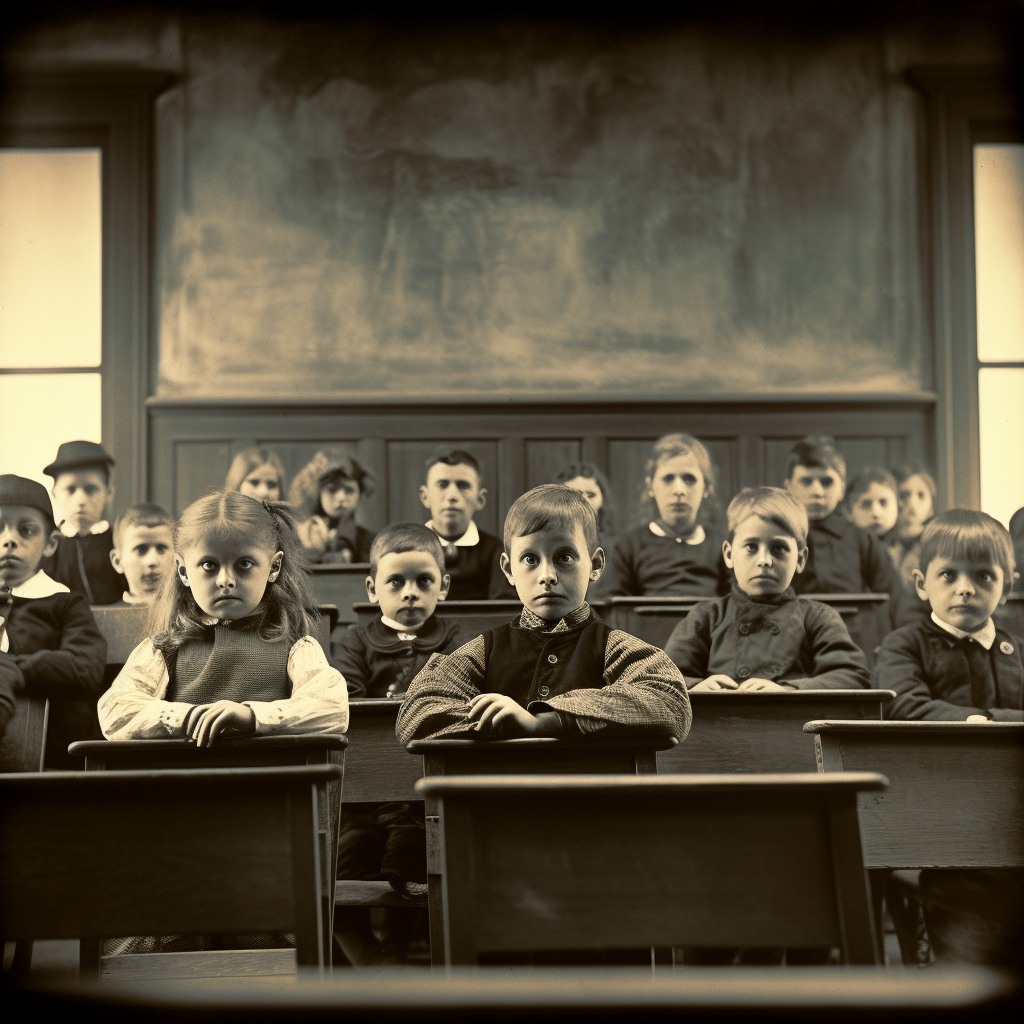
[(543, 691), (744, 628), (1006, 648), (744, 672), (553, 658), (773, 629)]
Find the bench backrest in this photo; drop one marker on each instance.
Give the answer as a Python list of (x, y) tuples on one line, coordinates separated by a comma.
[(23, 745)]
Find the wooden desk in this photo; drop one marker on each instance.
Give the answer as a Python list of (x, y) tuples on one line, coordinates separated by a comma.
[(956, 793), (93, 854), (531, 756), (23, 745), (341, 585), (249, 752), (377, 767), (619, 861), (763, 732)]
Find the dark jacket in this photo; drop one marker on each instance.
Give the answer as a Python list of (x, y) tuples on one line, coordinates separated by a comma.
[(844, 559), (644, 563), (376, 663), (10, 675), (83, 565), (938, 677), (59, 653), (475, 570), (781, 637)]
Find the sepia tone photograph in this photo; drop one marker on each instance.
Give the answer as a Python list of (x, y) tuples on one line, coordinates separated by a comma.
[(512, 509)]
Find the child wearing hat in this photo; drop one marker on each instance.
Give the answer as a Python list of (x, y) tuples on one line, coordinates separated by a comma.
[(49, 643), (82, 488)]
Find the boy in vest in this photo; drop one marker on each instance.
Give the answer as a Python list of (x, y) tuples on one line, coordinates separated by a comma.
[(556, 670)]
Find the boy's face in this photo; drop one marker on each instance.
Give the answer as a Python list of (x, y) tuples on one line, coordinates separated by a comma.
[(407, 586), (228, 578), (962, 594), (145, 558), (339, 496), (678, 489), (454, 495), (817, 488), (26, 538), (551, 570), (82, 495), (764, 557), (875, 509), (916, 505), (262, 483)]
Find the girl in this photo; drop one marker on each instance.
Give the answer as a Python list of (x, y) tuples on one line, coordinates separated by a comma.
[(325, 494), (871, 501), (916, 498), (674, 553), (257, 472), (229, 650), (586, 477)]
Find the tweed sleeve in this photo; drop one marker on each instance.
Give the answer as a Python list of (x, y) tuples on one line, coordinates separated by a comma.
[(838, 663), (438, 698), (319, 698), (642, 690)]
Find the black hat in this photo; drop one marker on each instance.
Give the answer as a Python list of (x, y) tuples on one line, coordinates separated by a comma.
[(17, 490), (77, 455)]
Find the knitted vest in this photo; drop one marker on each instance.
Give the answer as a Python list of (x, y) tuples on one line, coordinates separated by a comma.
[(527, 665), (230, 662)]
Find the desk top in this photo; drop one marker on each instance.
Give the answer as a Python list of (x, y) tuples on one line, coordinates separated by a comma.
[(101, 748), (662, 741), (671, 600), (894, 728), (781, 696), (380, 706), (174, 777)]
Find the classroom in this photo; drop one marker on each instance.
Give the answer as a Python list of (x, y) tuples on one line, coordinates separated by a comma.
[(511, 489)]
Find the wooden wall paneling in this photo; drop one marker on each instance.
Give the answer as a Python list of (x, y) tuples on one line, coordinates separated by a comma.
[(594, 449), (512, 475), (546, 457), (372, 512), (199, 467)]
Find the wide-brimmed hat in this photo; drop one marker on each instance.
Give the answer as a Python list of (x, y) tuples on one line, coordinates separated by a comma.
[(78, 455), (17, 490)]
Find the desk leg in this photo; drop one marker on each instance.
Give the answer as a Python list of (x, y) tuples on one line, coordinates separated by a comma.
[(435, 900), (89, 959), (878, 879)]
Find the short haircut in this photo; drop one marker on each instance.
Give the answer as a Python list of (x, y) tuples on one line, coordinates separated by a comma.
[(865, 478), (551, 505), (394, 540), (817, 451), (962, 534), (773, 505), (671, 445), (146, 514), (453, 457)]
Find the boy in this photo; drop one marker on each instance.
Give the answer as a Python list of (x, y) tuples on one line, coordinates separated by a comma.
[(762, 636), (143, 551), (82, 489), (957, 665), (49, 641), (453, 494), (555, 670), (388, 841), (841, 559)]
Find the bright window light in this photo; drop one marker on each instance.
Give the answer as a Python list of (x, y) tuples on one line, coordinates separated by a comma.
[(1001, 429)]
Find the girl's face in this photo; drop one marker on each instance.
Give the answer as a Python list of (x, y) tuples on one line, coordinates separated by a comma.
[(338, 497), (590, 488), (262, 483), (228, 578), (875, 509), (678, 489), (916, 505)]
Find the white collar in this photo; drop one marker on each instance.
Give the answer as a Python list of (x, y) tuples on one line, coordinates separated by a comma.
[(69, 531), (39, 585), (468, 540), (129, 598), (402, 631), (986, 636), (697, 537)]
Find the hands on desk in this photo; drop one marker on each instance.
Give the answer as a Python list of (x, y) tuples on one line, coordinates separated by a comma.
[(977, 718), (718, 681), (495, 714), (755, 685), (206, 722)]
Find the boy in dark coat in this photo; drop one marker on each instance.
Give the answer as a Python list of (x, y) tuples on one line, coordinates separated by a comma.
[(49, 643), (957, 665), (82, 488), (762, 636)]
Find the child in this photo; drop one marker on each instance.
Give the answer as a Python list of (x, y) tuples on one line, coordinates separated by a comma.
[(956, 663), (143, 551), (257, 472), (230, 650), (82, 489), (407, 579), (555, 670), (762, 636), (453, 494), (387, 841), (916, 496), (48, 638), (958, 666), (325, 494), (841, 559), (593, 484), (674, 553), (871, 501)]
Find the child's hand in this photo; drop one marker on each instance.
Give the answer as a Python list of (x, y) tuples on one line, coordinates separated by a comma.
[(716, 682), (496, 713), (224, 718), (977, 718), (760, 685)]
